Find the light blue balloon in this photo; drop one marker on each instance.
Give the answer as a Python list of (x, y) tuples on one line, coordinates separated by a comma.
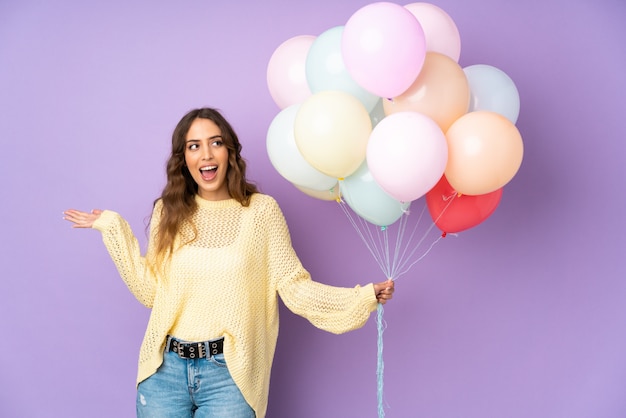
[(492, 89), (325, 69), (368, 200)]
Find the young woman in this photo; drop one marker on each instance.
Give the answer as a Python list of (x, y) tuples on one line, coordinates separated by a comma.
[(219, 254)]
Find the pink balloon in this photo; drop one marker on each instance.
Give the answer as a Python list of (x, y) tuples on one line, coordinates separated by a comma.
[(407, 154), (383, 48), (286, 71), (440, 31)]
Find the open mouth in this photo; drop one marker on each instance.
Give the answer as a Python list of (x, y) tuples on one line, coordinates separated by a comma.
[(208, 172)]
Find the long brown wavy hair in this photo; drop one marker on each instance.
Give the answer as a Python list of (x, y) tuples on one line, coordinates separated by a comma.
[(178, 196)]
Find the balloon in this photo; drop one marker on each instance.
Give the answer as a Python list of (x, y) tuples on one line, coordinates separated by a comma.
[(325, 69), (286, 75), (383, 48), (454, 213), (441, 91), (492, 89), (285, 156), (331, 131), (440, 31), (330, 194), (368, 200), (407, 154), (485, 151)]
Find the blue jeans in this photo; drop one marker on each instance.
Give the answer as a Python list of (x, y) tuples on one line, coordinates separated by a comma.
[(185, 388)]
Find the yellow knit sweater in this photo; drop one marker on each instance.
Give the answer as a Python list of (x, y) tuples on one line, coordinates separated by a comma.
[(225, 283)]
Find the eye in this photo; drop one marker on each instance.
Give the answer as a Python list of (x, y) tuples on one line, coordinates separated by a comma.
[(192, 147), (217, 143)]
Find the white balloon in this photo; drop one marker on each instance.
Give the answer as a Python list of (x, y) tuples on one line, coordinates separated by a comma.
[(440, 31)]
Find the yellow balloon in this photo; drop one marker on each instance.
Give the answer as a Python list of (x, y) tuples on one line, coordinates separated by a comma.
[(485, 152), (331, 130), (331, 194), (441, 91)]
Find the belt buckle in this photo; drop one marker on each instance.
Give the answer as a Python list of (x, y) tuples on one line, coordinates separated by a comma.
[(188, 350)]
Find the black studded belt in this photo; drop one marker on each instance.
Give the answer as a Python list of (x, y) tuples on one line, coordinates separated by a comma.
[(195, 350)]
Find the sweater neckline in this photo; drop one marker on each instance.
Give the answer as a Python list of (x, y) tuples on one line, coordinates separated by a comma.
[(216, 204)]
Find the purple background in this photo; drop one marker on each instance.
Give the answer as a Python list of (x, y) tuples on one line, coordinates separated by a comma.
[(522, 316)]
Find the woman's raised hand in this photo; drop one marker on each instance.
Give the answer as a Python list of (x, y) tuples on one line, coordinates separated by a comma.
[(81, 219)]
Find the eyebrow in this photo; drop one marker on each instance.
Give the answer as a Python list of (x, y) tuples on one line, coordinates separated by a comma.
[(198, 140)]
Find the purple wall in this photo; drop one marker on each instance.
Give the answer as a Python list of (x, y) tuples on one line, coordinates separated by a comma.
[(522, 316)]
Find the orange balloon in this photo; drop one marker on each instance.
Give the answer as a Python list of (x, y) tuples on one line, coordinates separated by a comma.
[(441, 91), (485, 151)]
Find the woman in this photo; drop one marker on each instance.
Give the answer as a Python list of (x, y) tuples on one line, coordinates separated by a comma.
[(219, 253)]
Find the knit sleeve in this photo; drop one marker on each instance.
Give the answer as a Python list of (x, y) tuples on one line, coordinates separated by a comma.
[(333, 309), (125, 252)]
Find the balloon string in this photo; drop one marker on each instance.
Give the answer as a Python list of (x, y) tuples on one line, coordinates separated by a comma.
[(403, 225), (380, 367), (366, 236), (393, 262), (396, 261), (404, 270), (402, 267), (405, 259)]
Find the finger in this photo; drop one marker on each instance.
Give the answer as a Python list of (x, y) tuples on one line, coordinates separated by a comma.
[(74, 214), (384, 292), (80, 224), (69, 214), (78, 218), (72, 217), (75, 217)]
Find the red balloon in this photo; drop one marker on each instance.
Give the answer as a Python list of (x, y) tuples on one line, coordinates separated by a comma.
[(452, 212)]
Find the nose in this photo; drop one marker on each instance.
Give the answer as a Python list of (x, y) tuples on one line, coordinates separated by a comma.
[(207, 153)]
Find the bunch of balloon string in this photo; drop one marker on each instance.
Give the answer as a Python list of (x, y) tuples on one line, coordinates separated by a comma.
[(396, 249), (378, 115)]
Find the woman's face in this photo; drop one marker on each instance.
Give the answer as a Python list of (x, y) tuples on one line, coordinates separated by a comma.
[(206, 157)]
